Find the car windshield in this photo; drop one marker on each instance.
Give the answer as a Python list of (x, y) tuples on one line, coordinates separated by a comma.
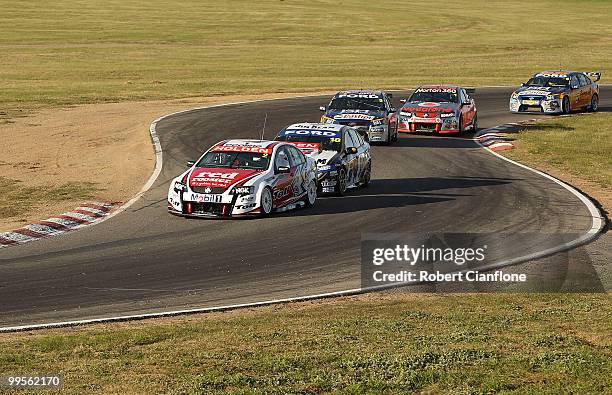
[(235, 160), (548, 81), (435, 95), (327, 143), (357, 103)]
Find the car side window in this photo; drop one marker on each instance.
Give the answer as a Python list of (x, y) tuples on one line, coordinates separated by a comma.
[(296, 156), (359, 139), (574, 81), (588, 80), (462, 96), (582, 79), (355, 138), (282, 158), (348, 139)]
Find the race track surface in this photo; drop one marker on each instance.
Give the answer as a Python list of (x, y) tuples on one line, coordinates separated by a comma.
[(145, 260)]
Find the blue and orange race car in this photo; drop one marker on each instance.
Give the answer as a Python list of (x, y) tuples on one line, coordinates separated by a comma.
[(557, 92)]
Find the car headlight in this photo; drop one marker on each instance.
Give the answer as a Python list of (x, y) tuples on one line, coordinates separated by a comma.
[(326, 119), (447, 115), (514, 95), (243, 190), (552, 97), (378, 122)]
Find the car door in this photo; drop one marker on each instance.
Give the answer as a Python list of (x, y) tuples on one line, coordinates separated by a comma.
[(363, 156), (299, 178), (575, 92), (283, 187), (585, 90), (351, 159), (467, 108)]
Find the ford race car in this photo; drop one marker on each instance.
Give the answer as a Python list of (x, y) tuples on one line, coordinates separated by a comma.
[(244, 177), (369, 112), (557, 92), (342, 155), (438, 109)]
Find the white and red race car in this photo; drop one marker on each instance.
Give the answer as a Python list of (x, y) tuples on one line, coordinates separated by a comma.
[(243, 178)]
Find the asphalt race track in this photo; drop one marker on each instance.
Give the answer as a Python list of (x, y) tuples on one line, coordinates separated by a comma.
[(145, 260)]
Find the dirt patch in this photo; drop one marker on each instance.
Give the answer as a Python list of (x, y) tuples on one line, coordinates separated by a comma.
[(107, 146)]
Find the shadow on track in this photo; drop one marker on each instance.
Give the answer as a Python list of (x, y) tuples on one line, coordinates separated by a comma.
[(397, 193)]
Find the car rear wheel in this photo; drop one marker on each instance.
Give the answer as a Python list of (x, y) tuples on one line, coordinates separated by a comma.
[(475, 124), (460, 124), (394, 139), (266, 203), (311, 194), (565, 106), (594, 103), (341, 183)]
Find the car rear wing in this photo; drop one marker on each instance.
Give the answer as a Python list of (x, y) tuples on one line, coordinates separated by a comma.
[(594, 75)]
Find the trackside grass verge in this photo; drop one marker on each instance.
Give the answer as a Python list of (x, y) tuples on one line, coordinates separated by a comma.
[(65, 52), (380, 343), (574, 149), (17, 199)]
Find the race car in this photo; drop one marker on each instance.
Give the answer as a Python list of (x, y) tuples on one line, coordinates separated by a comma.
[(557, 92), (342, 154), (369, 112), (244, 178), (438, 109)]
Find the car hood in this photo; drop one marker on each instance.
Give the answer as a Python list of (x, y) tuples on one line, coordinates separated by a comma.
[(215, 177), (357, 115), (537, 90), (420, 108)]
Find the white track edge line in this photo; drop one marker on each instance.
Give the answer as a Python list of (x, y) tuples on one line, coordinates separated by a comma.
[(596, 226)]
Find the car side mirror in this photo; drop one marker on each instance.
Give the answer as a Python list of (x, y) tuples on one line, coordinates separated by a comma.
[(322, 108), (403, 100), (523, 84), (283, 169), (190, 163), (574, 86), (350, 150), (390, 95), (392, 109)]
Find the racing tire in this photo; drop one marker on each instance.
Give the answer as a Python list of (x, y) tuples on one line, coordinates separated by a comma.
[(475, 124), (341, 183), (594, 106), (267, 202), (460, 127), (366, 177), (565, 105), (311, 194)]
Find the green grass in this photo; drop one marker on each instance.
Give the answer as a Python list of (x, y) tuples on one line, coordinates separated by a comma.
[(461, 344), (17, 199), (580, 145), (66, 52)]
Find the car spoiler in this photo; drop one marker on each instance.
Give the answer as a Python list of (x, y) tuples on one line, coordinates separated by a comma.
[(594, 75), (470, 90)]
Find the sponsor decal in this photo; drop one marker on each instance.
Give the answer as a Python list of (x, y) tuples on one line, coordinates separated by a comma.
[(425, 110), (355, 116), (437, 90), (241, 148), (324, 133), (245, 206), (196, 197), (359, 95), (428, 104), (557, 74), (218, 177)]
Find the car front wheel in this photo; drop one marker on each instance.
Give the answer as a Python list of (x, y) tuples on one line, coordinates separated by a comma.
[(341, 183), (594, 103), (311, 194), (266, 203), (565, 106)]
